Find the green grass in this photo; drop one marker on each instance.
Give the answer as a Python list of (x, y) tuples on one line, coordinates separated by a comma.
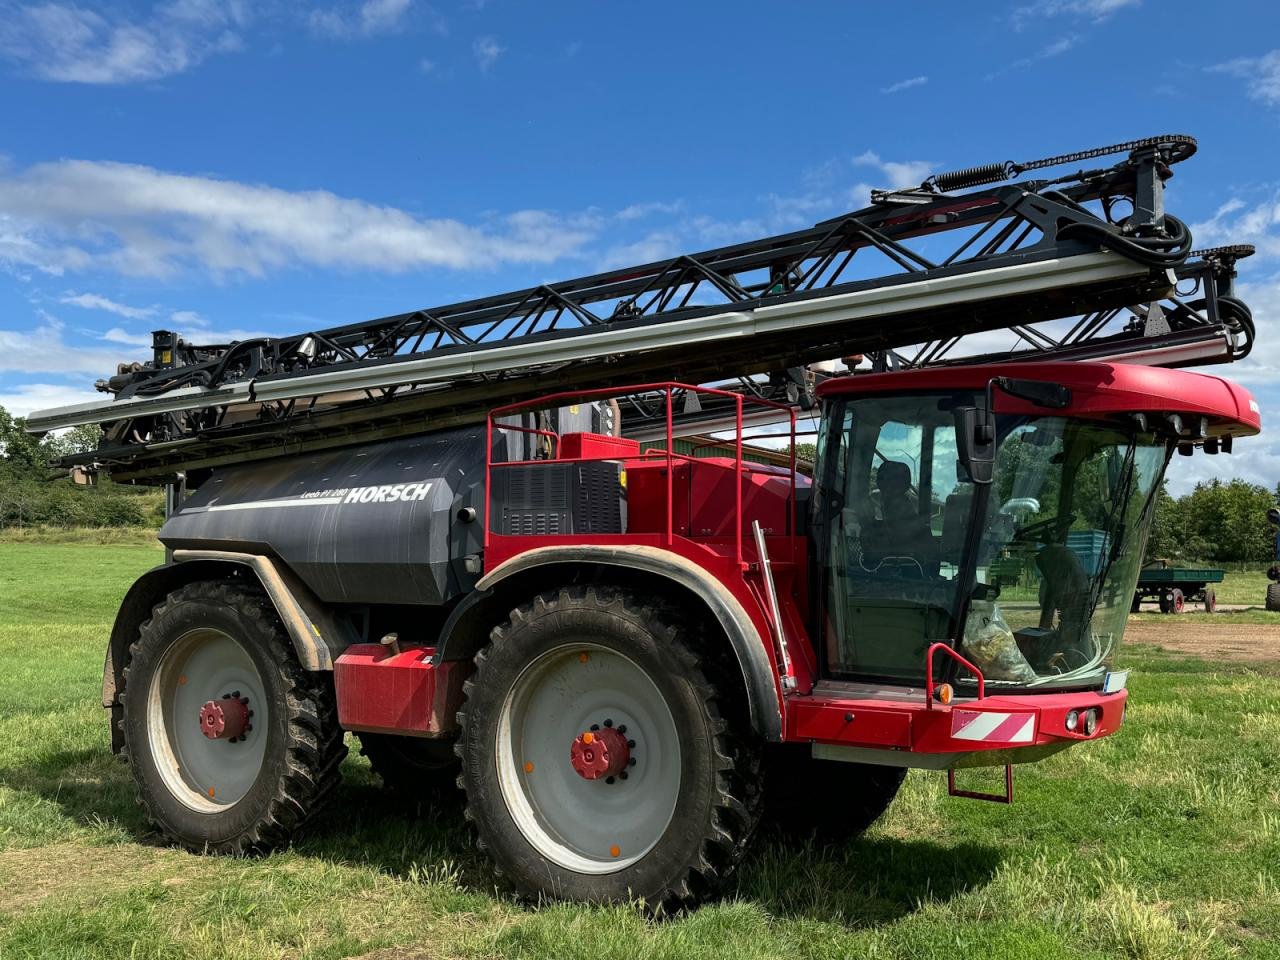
[(1161, 842), (1250, 617), (137, 536)]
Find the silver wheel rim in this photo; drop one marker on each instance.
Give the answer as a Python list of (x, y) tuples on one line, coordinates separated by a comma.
[(588, 826), (209, 776)]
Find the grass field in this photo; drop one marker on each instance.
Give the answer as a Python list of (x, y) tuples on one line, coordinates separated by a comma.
[(1161, 842)]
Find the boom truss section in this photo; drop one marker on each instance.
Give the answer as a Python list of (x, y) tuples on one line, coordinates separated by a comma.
[(927, 267)]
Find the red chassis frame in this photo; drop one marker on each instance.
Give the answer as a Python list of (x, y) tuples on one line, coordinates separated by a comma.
[(901, 726)]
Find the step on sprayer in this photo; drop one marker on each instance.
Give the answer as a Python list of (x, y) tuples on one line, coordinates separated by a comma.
[(485, 538)]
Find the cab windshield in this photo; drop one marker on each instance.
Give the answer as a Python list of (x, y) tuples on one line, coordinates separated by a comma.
[(1030, 577)]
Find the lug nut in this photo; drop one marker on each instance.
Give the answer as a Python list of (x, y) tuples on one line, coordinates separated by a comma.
[(595, 727), (631, 762), (236, 694), (608, 723), (623, 775), (630, 743), (608, 779), (622, 728)]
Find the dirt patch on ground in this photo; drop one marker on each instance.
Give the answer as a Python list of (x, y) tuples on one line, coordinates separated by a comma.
[(1237, 642), (31, 875)]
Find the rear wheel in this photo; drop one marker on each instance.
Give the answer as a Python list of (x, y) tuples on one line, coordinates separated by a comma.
[(1273, 596), (830, 799), (1177, 601), (1210, 600), (232, 744), (599, 760)]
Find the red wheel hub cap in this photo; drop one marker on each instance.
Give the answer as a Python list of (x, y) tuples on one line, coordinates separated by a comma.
[(222, 719), (599, 753)]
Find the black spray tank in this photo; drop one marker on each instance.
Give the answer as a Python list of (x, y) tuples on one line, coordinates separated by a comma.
[(378, 523)]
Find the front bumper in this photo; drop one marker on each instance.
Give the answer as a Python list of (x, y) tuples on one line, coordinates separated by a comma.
[(911, 732)]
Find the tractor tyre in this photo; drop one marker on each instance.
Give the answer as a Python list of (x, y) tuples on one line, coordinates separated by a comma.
[(606, 753), (1177, 601), (232, 745), (1166, 602), (827, 799), (1210, 600), (413, 767), (1273, 596), (1136, 605)]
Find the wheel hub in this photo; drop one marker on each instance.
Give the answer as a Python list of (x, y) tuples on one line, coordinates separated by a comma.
[(600, 753), (225, 719)]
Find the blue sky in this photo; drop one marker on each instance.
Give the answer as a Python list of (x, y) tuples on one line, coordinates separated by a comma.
[(224, 168)]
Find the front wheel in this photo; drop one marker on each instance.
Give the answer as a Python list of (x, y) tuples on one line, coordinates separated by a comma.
[(600, 759), (231, 743)]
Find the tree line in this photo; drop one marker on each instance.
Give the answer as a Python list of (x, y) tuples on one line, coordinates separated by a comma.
[(34, 493), (1219, 521)]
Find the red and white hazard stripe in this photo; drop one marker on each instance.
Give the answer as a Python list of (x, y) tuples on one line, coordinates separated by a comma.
[(990, 726)]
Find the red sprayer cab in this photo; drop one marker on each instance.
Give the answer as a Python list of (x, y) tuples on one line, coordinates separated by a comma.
[(949, 589)]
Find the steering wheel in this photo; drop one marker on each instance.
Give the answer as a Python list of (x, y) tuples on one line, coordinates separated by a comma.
[(1047, 531)]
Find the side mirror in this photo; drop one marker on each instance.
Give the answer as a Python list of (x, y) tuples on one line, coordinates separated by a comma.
[(976, 442)]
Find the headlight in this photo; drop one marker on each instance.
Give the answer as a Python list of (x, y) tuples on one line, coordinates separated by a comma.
[(1073, 720), (1091, 718)]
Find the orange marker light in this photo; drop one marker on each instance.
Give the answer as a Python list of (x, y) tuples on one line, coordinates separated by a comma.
[(943, 693), (584, 657), (588, 737), (615, 851), (182, 680), (528, 766), (211, 791)]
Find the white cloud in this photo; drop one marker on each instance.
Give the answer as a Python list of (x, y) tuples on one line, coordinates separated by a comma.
[(69, 44), (1239, 222), (899, 173), (487, 51), (426, 65), (136, 220), (92, 301), (369, 18), (44, 350), (1095, 10), (120, 335), (659, 245), (1262, 74), (20, 400), (905, 84), (1048, 51), (641, 211)]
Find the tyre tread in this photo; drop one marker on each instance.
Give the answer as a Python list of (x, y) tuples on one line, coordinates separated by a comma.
[(315, 746)]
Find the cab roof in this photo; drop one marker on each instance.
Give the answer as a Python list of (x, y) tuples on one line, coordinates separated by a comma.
[(1097, 389)]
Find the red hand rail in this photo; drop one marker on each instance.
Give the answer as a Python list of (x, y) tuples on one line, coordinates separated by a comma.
[(928, 671)]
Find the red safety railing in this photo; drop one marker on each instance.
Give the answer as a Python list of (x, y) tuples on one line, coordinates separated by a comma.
[(668, 391), (928, 671)]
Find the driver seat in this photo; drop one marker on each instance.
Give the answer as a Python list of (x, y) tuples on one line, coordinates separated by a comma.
[(901, 531)]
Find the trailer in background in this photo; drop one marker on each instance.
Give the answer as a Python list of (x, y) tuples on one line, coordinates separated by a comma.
[(1173, 587)]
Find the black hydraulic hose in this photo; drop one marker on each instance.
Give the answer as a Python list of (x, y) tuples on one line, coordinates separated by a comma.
[(215, 377), (1236, 313), (197, 377), (1154, 251)]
